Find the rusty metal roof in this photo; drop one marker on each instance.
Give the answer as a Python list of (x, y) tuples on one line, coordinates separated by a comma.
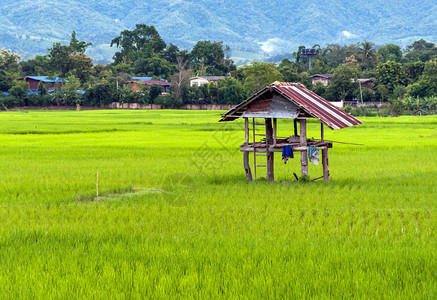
[(306, 100)]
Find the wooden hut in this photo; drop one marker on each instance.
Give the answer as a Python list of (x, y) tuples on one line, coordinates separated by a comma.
[(283, 100)]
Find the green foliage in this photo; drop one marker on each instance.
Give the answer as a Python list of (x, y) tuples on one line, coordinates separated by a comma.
[(77, 46), (41, 89), (343, 83), (257, 75), (421, 50), (69, 94), (133, 44), (71, 58), (100, 93), (396, 107), (414, 70), (167, 101), (304, 179), (389, 52), (348, 109), (208, 58), (363, 112), (367, 55), (390, 74), (154, 91), (18, 92), (38, 66), (154, 66), (9, 60), (5, 81), (231, 90)]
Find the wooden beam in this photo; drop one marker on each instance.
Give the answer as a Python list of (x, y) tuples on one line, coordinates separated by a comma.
[(247, 166), (254, 150), (270, 155), (322, 132), (269, 131), (295, 127), (271, 148), (275, 131), (303, 143), (246, 131), (325, 163)]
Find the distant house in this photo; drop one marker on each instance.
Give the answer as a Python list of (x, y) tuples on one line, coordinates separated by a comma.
[(136, 82), (366, 82), (200, 80), (48, 82), (325, 79)]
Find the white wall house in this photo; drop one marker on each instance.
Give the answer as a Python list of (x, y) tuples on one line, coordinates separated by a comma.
[(198, 81)]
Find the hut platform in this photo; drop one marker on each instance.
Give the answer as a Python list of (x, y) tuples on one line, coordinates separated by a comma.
[(278, 147)]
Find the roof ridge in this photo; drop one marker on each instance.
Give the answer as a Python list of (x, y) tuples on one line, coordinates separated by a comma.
[(281, 83)]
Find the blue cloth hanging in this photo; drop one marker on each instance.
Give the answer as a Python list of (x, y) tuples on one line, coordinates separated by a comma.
[(313, 155), (287, 152)]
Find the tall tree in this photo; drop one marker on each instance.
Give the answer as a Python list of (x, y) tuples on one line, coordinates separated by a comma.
[(367, 55), (208, 58), (258, 75), (390, 74), (132, 43), (9, 60), (182, 76), (77, 46), (421, 50), (390, 52), (64, 58)]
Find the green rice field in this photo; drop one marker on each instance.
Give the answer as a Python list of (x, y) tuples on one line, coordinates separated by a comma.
[(176, 217)]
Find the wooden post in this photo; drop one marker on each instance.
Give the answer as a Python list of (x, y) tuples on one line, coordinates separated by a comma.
[(322, 132), (270, 155), (326, 176), (247, 166), (254, 148), (275, 130), (303, 143), (246, 131), (295, 127)]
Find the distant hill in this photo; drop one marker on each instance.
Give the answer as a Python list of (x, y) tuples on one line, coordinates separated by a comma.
[(254, 29)]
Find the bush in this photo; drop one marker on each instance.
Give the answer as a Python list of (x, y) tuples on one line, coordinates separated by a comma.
[(10, 101), (384, 111), (363, 112), (168, 101), (348, 109)]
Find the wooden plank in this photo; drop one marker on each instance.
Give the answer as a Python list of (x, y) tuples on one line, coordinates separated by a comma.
[(246, 131), (270, 155), (254, 150), (275, 128), (295, 127), (317, 178), (275, 149), (322, 132), (303, 143), (269, 131), (325, 163), (247, 166)]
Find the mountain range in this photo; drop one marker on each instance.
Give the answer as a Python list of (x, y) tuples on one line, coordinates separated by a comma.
[(254, 29)]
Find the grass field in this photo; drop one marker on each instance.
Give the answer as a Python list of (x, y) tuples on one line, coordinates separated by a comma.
[(177, 219)]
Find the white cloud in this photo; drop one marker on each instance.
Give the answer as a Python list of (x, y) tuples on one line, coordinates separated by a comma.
[(348, 35), (271, 45)]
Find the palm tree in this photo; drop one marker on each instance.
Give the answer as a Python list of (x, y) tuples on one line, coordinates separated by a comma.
[(368, 54)]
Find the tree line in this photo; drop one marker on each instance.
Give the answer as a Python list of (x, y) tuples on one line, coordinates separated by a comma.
[(400, 75)]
